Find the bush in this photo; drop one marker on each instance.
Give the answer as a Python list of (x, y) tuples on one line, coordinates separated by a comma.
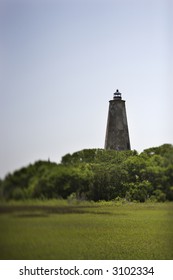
[(18, 194), (160, 196)]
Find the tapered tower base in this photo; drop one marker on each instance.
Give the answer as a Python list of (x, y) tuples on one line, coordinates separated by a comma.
[(117, 134)]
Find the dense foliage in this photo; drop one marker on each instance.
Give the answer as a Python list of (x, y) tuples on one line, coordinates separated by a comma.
[(97, 174)]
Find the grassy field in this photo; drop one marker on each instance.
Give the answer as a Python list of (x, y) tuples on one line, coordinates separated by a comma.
[(58, 230)]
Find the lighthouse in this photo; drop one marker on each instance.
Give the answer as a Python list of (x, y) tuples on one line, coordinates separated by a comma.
[(117, 133)]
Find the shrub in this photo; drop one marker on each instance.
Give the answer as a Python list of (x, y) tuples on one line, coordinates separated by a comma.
[(160, 196), (18, 194)]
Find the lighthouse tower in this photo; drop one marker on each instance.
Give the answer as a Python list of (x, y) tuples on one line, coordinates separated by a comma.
[(117, 134)]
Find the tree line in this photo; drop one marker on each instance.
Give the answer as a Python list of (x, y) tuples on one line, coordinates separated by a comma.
[(96, 174)]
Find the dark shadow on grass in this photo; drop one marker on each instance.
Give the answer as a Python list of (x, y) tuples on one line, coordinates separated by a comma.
[(44, 211)]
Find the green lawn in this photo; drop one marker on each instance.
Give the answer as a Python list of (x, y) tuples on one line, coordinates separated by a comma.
[(56, 230)]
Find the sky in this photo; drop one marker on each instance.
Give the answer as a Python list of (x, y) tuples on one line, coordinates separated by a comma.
[(62, 60)]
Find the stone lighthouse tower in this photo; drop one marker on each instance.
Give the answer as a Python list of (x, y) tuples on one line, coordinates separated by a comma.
[(117, 134)]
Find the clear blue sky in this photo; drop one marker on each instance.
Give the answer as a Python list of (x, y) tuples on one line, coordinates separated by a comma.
[(61, 61)]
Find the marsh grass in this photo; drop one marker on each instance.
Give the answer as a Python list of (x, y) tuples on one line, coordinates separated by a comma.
[(62, 230)]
